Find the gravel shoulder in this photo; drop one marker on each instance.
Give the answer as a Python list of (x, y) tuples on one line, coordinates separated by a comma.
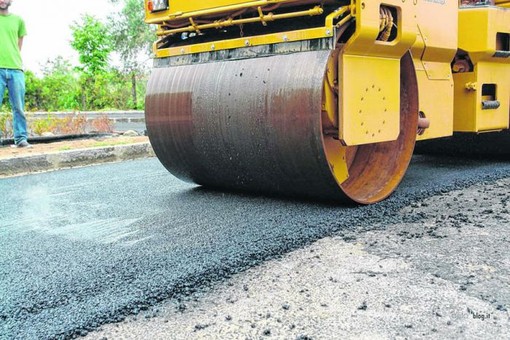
[(441, 271)]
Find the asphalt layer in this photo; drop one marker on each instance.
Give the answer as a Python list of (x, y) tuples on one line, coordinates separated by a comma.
[(85, 247), (444, 277)]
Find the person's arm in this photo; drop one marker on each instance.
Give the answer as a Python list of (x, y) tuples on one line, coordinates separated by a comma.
[(20, 43)]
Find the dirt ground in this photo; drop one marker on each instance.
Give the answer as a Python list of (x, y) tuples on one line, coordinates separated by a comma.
[(61, 146)]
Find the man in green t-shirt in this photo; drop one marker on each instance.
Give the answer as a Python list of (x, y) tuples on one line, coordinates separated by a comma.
[(12, 31)]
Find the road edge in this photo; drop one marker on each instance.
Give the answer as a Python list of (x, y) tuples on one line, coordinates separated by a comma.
[(73, 158)]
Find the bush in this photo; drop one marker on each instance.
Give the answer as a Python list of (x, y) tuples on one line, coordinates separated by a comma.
[(41, 126), (64, 88), (6, 125)]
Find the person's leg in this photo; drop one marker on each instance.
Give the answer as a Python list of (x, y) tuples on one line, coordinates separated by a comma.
[(16, 88), (3, 85)]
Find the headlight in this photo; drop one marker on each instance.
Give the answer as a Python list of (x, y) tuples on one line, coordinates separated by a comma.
[(158, 5)]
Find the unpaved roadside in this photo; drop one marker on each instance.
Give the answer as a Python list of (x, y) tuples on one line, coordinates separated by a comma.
[(442, 272), (67, 145)]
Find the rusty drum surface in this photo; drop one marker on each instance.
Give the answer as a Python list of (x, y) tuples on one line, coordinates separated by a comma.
[(251, 125)]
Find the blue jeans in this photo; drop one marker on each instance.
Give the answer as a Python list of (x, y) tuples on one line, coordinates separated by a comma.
[(14, 81)]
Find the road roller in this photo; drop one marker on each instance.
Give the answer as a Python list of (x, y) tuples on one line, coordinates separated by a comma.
[(320, 99)]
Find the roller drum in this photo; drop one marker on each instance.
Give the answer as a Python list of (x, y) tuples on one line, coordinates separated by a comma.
[(250, 125), (255, 125)]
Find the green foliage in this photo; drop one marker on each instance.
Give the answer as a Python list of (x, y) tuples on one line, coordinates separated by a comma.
[(121, 85), (93, 43), (62, 88), (33, 98), (95, 84), (132, 40), (40, 126), (131, 36), (59, 88)]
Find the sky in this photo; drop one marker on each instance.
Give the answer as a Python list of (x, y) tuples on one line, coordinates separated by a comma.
[(48, 32)]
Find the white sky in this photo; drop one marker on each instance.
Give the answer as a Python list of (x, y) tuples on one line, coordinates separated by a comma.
[(48, 32)]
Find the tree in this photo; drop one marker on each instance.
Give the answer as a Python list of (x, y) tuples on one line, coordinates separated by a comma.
[(92, 41), (59, 86), (132, 39), (33, 91)]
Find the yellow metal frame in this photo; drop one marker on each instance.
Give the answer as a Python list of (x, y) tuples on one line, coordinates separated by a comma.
[(435, 48), (274, 38), (503, 3), (188, 9), (369, 104), (477, 32), (262, 18), (478, 28)]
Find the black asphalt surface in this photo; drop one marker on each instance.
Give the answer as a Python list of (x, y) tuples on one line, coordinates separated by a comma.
[(83, 247)]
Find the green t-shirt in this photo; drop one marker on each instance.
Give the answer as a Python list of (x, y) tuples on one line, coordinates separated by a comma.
[(12, 27)]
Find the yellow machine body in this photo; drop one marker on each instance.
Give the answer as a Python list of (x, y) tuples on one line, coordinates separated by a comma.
[(435, 48), (487, 45), (369, 109), (371, 78)]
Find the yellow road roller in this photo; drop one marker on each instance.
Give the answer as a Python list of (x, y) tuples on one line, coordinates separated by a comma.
[(320, 99)]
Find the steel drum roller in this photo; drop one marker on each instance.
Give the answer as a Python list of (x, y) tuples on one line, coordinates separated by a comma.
[(255, 125)]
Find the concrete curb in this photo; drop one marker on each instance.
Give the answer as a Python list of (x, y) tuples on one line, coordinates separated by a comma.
[(73, 158)]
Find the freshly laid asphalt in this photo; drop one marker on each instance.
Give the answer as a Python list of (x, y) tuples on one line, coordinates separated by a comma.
[(83, 247)]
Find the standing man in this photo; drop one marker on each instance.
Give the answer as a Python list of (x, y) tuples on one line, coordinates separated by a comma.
[(12, 31)]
